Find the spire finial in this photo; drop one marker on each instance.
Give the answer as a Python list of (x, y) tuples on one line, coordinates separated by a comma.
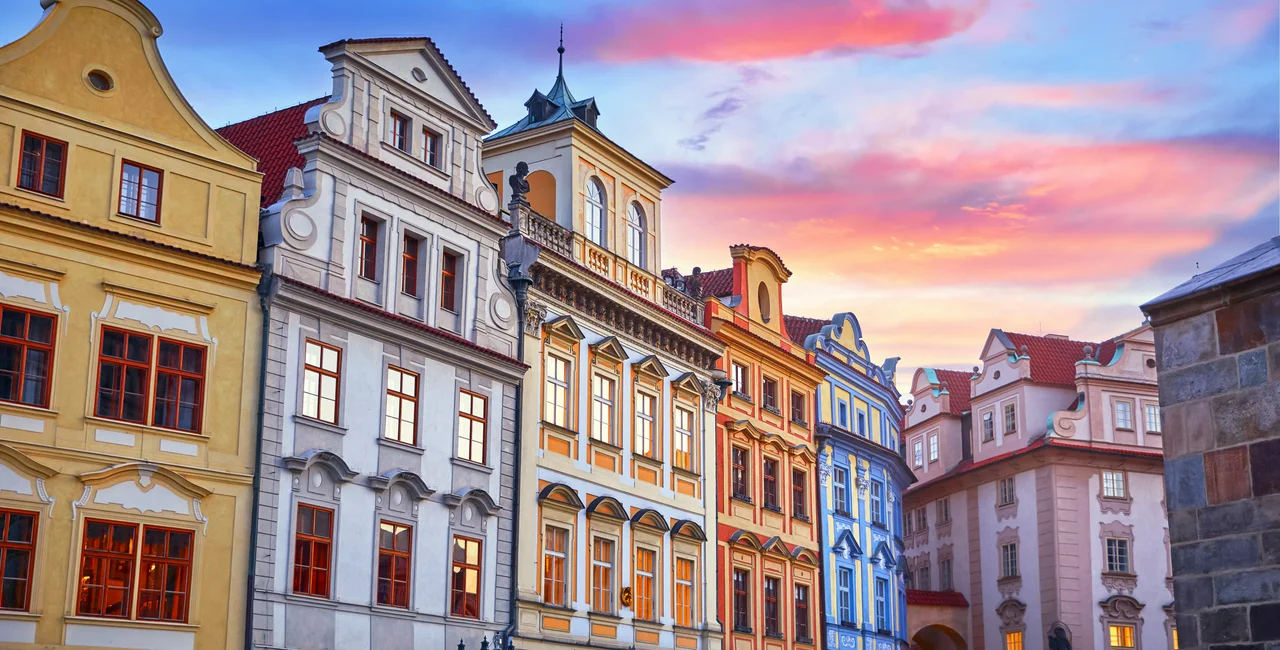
[(561, 49)]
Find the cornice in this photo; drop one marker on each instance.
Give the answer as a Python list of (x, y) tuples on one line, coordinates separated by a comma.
[(766, 348), (374, 70), (574, 127)]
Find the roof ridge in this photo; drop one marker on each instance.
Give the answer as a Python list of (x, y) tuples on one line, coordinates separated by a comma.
[(272, 112)]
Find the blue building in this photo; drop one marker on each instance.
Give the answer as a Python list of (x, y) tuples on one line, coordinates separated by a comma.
[(862, 475)]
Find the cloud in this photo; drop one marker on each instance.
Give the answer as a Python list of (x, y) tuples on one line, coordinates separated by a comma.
[(727, 106)]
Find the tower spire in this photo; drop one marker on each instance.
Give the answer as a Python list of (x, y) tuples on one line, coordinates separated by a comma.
[(561, 51)]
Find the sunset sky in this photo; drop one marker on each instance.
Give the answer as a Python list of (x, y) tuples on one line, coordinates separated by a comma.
[(938, 167)]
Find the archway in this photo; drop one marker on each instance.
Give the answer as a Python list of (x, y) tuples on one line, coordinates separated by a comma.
[(938, 637)]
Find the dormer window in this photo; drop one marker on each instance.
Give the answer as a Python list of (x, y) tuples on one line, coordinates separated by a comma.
[(762, 299), (596, 213), (431, 148), (399, 132)]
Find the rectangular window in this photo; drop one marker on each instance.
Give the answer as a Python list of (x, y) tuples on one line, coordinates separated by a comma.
[(882, 604), (933, 448), (769, 394), (124, 368), (556, 409), (368, 251), (431, 148), (684, 592), (1113, 485), (802, 612), (844, 415), (684, 439), (312, 550), (1006, 489), (799, 494), (741, 600), (409, 266), (179, 386), (772, 625), (944, 510), (840, 490), (944, 575), (320, 374), (862, 424), (602, 575), (741, 379), (1121, 636), (17, 558), (988, 426), (449, 282), (107, 579), (844, 595), (922, 518), (473, 416), (923, 579), (26, 356), (402, 406), (908, 526), (464, 591), (1153, 418), (1009, 560), (1010, 418), (1124, 415), (44, 164), (1117, 555), (1173, 633), (769, 475), (1013, 641), (645, 406), (644, 584), (602, 408), (394, 544), (738, 474), (140, 191), (797, 406), (399, 132), (554, 553), (917, 452), (877, 503)]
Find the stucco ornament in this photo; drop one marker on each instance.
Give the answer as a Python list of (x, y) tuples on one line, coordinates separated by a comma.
[(710, 394), (535, 314), (862, 481), (824, 467), (1011, 612)]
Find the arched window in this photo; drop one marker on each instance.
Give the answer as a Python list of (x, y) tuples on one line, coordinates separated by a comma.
[(635, 235), (596, 213), (762, 299)]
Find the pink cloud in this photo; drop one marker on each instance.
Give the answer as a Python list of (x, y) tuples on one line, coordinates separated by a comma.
[(1245, 23)]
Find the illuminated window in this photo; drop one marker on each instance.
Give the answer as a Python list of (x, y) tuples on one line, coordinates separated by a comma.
[(464, 590), (1121, 636), (684, 592), (312, 548), (472, 426), (320, 374), (644, 584), (645, 406), (554, 554), (602, 408), (602, 575), (402, 406), (556, 408), (394, 575), (1013, 641)]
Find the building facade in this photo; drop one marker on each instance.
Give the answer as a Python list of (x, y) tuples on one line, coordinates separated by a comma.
[(861, 478), (616, 525), (1040, 498), (130, 345), (388, 441)]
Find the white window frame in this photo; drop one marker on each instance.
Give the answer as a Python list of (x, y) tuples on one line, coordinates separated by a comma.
[(1006, 491), (646, 423), (988, 426), (635, 234), (1113, 485), (1119, 559), (1009, 560), (560, 387), (603, 407), (844, 595), (1124, 421), (597, 212), (933, 448), (840, 489), (917, 453), (1010, 412), (1152, 413)]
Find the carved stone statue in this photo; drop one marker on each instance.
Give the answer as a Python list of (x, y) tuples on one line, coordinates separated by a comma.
[(1058, 639), (519, 184), (693, 284)]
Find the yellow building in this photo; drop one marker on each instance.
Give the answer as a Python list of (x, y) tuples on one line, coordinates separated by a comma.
[(130, 343)]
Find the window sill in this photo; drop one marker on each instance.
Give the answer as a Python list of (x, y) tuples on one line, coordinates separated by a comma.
[(608, 616), (41, 195), (744, 629), (843, 513), (880, 525), (314, 601), (687, 473), (130, 622), (28, 408), (421, 164), (389, 610), (1004, 580), (742, 396), (16, 615), (1001, 506), (470, 464), (146, 428), (800, 423), (596, 442), (648, 460), (132, 220), (804, 640), (405, 447), (772, 409), (772, 508), (459, 617), (773, 635), (320, 424), (803, 518), (743, 498)]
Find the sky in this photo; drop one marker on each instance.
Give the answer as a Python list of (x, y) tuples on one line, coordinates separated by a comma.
[(937, 167)]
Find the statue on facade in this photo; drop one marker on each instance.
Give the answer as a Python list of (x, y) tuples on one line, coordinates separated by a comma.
[(1058, 639), (693, 284), (519, 183)]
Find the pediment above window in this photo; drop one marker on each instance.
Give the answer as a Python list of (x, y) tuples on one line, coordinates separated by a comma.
[(609, 348), (650, 366), (143, 488), (564, 327)]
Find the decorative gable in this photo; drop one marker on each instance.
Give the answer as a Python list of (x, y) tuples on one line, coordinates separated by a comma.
[(565, 328), (651, 366), (609, 348)]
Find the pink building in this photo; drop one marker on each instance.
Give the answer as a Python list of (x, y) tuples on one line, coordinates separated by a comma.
[(1039, 507)]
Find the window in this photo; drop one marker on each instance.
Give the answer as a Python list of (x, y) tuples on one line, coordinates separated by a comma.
[(17, 558), (44, 163), (1153, 418), (1006, 495), (769, 474), (394, 542), (556, 408), (645, 405), (802, 612), (772, 626), (399, 132), (472, 422), (431, 148), (922, 518), (635, 235), (738, 474), (844, 415), (1113, 485), (409, 267), (923, 579), (844, 595), (944, 511), (1121, 636), (840, 490), (321, 367), (908, 526), (769, 394), (644, 584), (464, 593), (1009, 560), (944, 575), (555, 543), (684, 439), (602, 408), (862, 424), (107, 574), (797, 407), (26, 356), (933, 448), (1010, 418), (877, 503), (741, 600), (1173, 634), (596, 213), (402, 406), (1013, 641), (799, 495), (124, 366), (918, 453), (312, 547), (1117, 555), (882, 604), (368, 257), (1124, 415), (449, 282), (762, 299), (602, 575), (988, 426), (179, 386), (140, 191), (684, 592), (741, 379)]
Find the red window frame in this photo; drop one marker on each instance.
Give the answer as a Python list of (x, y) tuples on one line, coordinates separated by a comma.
[(40, 157), (449, 281), (8, 547), (473, 422), (739, 458), (368, 261), (24, 345), (769, 477), (136, 199), (409, 266), (173, 378), (156, 601), (399, 132), (799, 493), (312, 553), (462, 602), (123, 364), (395, 564), (431, 147), (98, 567)]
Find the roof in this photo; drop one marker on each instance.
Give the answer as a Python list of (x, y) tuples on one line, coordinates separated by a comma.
[(936, 598), (557, 105), (800, 327), (269, 138), (717, 283), (957, 384), (1053, 360), (766, 249), (1256, 260)]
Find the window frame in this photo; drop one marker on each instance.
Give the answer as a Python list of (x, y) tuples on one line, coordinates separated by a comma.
[(180, 373), (141, 184), (772, 607), (561, 387), (840, 489), (917, 453), (844, 595), (398, 131), (1006, 492), (877, 503), (431, 150), (410, 274), (684, 606), (44, 146), (367, 247), (799, 494), (23, 345), (312, 539), (449, 261), (1010, 412), (636, 235), (798, 407), (110, 557), (481, 421), (769, 483), (478, 567), (125, 363), (394, 554), (882, 603), (741, 600), (945, 578), (1128, 420), (739, 476), (1111, 480), (800, 612), (684, 435), (988, 426), (187, 564), (7, 545), (402, 397), (321, 373), (597, 211), (645, 426), (1120, 558), (1013, 640), (933, 448), (642, 596), (741, 379), (1009, 560), (552, 556), (1111, 636), (769, 393), (1153, 424), (603, 573), (604, 408)]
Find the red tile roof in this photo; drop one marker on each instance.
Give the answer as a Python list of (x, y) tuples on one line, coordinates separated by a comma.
[(1053, 360), (956, 383), (718, 283), (269, 138), (936, 598), (800, 327)]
